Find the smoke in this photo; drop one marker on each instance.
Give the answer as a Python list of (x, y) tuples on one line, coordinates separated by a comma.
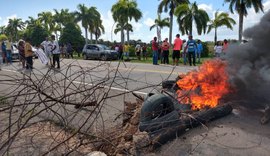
[(249, 66)]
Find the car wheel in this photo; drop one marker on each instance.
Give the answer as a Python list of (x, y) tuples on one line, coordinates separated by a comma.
[(103, 57), (85, 57)]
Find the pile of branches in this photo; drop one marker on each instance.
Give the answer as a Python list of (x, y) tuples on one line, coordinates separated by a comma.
[(66, 108)]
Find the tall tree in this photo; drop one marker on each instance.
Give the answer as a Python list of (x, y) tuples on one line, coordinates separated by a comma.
[(170, 5), (83, 16), (47, 19), (132, 12), (189, 13), (13, 27), (98, 29), (241, 6), (220, 19), (120, 16), (94, 21), (123, 12), (159, 24)]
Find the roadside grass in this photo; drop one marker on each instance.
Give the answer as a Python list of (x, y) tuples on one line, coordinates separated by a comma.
[(149, 60)]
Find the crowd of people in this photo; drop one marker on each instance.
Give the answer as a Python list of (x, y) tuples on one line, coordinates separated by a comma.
[(190, 51), (50, 49)]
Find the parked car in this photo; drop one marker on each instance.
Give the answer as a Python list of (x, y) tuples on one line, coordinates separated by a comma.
[(99, 51), (14, 52)]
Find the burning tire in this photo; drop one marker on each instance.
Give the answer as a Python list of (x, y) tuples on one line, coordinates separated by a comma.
[(157, 112), (170, 85)]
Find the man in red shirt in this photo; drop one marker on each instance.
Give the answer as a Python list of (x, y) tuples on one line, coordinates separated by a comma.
[(177, 45), (155, 51)]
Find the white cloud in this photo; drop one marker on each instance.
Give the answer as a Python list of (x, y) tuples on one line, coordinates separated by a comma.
[(5, 21), (149, 22), (206, 7)]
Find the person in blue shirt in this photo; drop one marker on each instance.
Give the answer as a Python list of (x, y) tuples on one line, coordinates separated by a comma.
[(191, 49), (199, 50)]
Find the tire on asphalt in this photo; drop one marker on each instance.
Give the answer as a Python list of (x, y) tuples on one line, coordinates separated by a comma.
[(156, 112), (103, 57), (85, 57), (162, 122)]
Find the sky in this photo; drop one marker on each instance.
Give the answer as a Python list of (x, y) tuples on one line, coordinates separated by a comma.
[(25, 8)]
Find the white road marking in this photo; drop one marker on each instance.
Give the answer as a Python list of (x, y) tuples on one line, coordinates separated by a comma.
[(91, 84)]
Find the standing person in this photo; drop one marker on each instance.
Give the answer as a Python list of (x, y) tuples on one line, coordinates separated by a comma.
[(55, 52), (177, 45), (28, 54), (184, 52), (4, 51), (21, 52), (165, 48), (47, 49), (155, 51), (8, 52), (144, 52), (1, 57), (191, 48), (69, 50), (218, 49), (199, 50), (225, 46), (120, 57), (126, 50), (138, 50)]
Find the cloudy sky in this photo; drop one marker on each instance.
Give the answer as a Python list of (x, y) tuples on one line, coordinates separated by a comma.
[(25, 8)]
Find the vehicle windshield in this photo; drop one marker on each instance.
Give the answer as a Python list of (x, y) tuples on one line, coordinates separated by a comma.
[(105, 47)]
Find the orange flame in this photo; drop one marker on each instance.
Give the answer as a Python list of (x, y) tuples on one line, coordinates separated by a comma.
[(205, 87)]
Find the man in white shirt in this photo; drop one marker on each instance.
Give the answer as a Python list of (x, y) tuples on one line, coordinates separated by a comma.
[(55, 52), (47, 49)]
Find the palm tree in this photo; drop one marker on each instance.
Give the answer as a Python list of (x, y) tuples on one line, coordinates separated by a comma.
[(98, 29), (241, 6), (47, 19), (187, 14), (2, 29), (159, 24), (220, 19), (120, 16), (94, 21), (127, 27), (13, 26), (123, 11), (170, 5), (132, 12), (83, 16)]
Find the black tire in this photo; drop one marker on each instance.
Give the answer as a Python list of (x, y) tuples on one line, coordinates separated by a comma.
[(103, 57), (157, 124), (85, 57), (156, 106)]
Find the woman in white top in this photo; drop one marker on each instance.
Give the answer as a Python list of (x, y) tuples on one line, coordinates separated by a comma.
[(218, 49)]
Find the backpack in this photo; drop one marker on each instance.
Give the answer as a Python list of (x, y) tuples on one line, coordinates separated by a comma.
[(191, 46)]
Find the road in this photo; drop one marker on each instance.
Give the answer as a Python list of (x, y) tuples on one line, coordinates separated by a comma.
[(81, 81)]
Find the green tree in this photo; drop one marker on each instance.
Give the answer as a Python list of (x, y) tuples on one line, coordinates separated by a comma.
[(159, 24), (220, 19), (123, 11), (189, 13), (94, 22), (170, 5), (37, 35), (83, 16), (126, 27), (3, 37), (2, 29), (98, 29), (13, 27), (241, 6), (72, 34), (46, 18), (133, 13)]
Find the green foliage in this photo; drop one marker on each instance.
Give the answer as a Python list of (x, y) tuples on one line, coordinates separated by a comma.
[(71, 33), (206, 52), (37, 34), (3, 37)]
